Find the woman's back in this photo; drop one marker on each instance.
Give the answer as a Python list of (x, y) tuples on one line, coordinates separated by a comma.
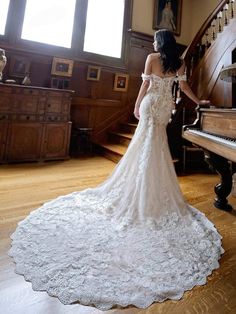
[(156, 67)]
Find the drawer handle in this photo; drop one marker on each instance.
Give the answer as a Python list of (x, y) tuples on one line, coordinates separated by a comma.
[(49, 105), (27, 118)]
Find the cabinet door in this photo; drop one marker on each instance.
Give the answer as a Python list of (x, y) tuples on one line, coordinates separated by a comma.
[(3, 138), (56, 140), (24, 141)]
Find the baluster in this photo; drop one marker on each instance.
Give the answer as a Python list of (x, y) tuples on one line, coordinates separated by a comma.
[(195, 55), (213, 25), (225, 10), (232, 11), (207, 42), (202, 47), (219, 17)]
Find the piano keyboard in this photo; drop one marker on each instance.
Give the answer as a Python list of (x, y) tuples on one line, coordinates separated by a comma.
[(231, 142), (217, 144)]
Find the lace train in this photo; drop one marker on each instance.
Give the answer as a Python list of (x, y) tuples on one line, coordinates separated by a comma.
[(82, 256)]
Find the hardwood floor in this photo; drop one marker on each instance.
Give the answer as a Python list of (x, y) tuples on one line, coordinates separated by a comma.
[(24, 187)]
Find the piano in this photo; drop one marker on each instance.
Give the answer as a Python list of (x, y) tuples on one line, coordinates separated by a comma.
[(214, 130)]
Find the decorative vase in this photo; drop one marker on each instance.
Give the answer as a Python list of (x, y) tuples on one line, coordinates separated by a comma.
[(3, 61)]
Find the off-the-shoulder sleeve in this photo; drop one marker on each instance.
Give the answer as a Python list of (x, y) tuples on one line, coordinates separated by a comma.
[(146, 77), (181, 77)]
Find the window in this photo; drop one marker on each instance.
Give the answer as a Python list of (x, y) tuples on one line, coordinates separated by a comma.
[(88, 30), (49, 21), (3, 15), (104, 27)]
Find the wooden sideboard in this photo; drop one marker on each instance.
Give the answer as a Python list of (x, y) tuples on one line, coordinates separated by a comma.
[(34, 123)]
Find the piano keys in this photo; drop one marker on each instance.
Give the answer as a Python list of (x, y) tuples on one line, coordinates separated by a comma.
[(214, 131)]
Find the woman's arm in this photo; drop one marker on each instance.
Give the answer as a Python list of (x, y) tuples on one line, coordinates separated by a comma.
[(144, 87), (186, 89)]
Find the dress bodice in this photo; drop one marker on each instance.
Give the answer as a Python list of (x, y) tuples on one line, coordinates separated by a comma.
[(158, 101), (158, 81)]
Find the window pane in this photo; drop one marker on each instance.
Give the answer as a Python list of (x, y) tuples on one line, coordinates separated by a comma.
[(3, 15), (104, 27), (49, 21)]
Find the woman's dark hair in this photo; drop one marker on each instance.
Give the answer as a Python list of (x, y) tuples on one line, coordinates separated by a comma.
[(167, 47)]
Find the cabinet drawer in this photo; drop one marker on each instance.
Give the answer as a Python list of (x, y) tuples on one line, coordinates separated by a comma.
[(28, 104), (24, 117), (5, 103), (17, 90), (65, 107), (54, 104), (28, 91), (4, 117), (5, 89), (59, 118)]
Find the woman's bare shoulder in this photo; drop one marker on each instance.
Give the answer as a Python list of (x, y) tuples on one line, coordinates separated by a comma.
[(154, 55), (153, 58)]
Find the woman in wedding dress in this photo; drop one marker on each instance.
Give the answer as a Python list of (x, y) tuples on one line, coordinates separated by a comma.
[(133, 240)]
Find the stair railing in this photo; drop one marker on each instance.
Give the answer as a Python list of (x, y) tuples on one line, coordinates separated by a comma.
[(207, 34)]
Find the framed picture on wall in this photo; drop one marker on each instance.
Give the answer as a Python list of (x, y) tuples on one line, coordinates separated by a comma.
[(62, 67), (19, 66), (121, 82), (93, 73), (167, 14)]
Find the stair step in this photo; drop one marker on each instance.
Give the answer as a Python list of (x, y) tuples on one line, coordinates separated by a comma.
[(123, 134), (128, 127), (115, 152), (117, 148), (112, 151), (120, 138), (131, 123)]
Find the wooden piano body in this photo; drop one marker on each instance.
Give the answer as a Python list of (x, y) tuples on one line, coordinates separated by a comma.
[(215, 131)]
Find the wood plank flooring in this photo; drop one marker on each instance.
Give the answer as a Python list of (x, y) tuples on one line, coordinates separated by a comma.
[(24, 187)]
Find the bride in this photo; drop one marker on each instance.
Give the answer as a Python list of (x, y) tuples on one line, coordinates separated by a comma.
[(133, 240)]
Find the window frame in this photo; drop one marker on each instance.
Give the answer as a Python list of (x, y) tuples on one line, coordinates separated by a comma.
[(12, 38)]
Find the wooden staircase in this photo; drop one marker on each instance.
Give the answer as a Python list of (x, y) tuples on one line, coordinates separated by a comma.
[(117, 141)]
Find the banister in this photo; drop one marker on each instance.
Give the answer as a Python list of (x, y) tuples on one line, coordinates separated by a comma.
[(190, 49)]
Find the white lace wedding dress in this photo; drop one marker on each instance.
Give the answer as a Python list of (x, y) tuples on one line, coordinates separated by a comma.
[(131, 240)]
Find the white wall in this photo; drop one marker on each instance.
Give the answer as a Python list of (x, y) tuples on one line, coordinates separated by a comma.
[(203, 10), (194, 13)]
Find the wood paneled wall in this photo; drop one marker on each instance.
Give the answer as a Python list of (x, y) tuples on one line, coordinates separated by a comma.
[(95, 104), (100, 107)]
